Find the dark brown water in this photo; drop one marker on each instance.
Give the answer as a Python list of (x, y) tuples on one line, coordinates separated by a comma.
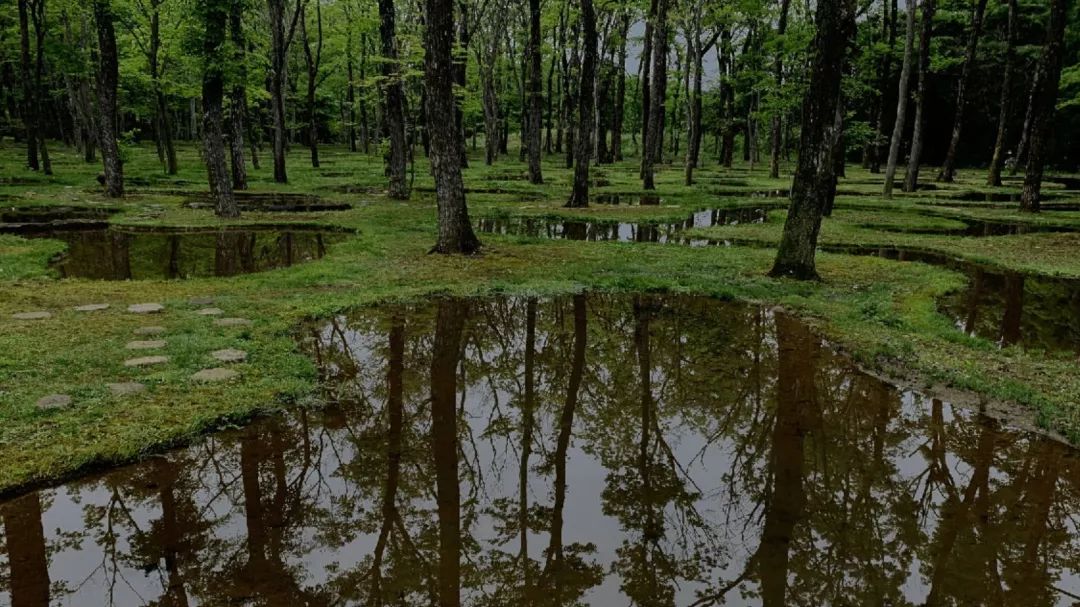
[(115, 254), (594, 450)]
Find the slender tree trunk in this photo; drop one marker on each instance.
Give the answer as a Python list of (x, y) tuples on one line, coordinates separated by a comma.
[(1042, 119), (948, 170), (29, 105), (312, 60), (536, 94), (571, 97), (619, 114), (163, 119), (108, 78), (580, 195), (815, 174), (455, 230), (279, 48), (658, 92), (911, 179), (646, 80), (872, 151), (776, 138), (460, 72), (394, 103), (215, 15), (994, 176), (1025, 133), (901, 101), (238, 98)]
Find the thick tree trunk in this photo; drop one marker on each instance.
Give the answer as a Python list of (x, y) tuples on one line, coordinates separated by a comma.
[(948, 170), (911, 179), (580, 195), (901, 101), (536, 95), (108, 78), (394, 103), (658, 93), (1042, 118), (815, 174), (455, 231), (775, 138), (993, 177), (238, 98), (215, 16)]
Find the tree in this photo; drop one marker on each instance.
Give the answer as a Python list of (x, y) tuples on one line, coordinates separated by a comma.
[(215, 19), (815, 175), (280, 40), (948, 170), (993, 177), (33, 93), (238, 96), (579, 197), (536, 95), (393, 102), (653, 148), (1045, 95), (312, 60), (911, 179), (901, 101), (455, 230), (108, 78), (775, 139)]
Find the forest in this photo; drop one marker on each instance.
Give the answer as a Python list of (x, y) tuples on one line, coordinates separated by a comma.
[(539, 302)]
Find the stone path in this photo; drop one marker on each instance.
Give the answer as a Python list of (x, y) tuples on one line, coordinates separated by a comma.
[(215, 375), (146, 308), (230, 355), (126, 388), (54, 401), (92, 307), (42, 315), (210, 312), (146, 361), (146, 345)]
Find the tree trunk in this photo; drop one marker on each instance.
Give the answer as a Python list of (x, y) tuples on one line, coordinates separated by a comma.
[(460, 68), (455, 231), (619, 115), (1042, 118), (646, 80), (911, 179), (238, 100), (536, 95), (108, 78), (580, 195), (571, 96), (1025, 133), (215, 15), (872, 151), (312, 60), (778, 75), (948, 170), (901, 101), (29, 106), (658, 93), (994, 175), (815, 173), (394, 102), (279, 48)]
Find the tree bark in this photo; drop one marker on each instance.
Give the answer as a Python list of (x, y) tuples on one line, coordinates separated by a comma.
[(1042, 119), (658, 96), (312, 60), (108, 78), (394, 103), (215, 16), (583, 154), (163, 118), (872, 151), (911, 179), (238, 98), (536, 95), (646, 79), (993, 177), (901, 101), (776, 137), (280, 39), (815, 174), (455, 231), (619, 116), (948, 170), (29, 105)]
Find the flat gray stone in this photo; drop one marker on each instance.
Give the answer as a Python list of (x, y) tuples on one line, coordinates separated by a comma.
[(210, 312), (92, 307), (232, 322), (201, 301), (146, 361), (230, 355), (149, 330), (215, 375), (126, 388), (146, 308), (31, 315), (146, 345), (54, 401)]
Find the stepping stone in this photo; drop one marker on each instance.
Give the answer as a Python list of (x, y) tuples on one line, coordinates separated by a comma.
[(232, 322), (54, 401), (126, 388), (149, 330), (211, 312), (146, 308), (31, 316), (146, 361), (146, 345), (230, 355), (215, 375), (201, 301), (92, 307)]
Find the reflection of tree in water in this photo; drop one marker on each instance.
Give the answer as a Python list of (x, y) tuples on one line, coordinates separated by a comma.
[(735, 457)]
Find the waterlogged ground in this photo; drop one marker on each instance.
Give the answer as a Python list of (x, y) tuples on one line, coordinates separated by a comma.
[(593, 449)]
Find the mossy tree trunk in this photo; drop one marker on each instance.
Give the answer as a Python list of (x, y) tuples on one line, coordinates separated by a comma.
[(215, 16), (1045, 95), (108, 79), (393, 102)]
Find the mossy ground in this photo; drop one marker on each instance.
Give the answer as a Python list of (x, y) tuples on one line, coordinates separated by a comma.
[(883, 312)]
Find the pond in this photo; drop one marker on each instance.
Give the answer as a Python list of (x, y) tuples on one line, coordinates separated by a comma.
[(122, 254), (588, 450), (644, 231)]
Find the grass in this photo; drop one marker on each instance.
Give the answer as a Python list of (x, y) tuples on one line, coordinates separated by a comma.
[(884, 313)]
